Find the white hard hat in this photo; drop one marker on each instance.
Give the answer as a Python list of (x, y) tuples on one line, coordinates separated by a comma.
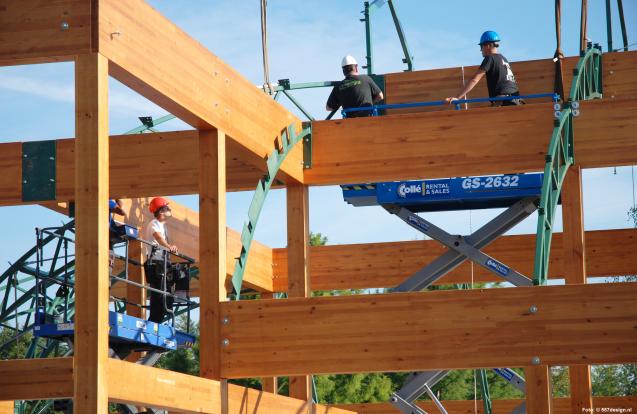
[(348, 60)]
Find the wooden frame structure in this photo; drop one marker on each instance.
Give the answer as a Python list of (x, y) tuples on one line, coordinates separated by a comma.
[(236, 128)]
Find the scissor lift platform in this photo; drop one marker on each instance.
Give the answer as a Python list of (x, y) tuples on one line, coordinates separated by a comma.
[(124, 330)]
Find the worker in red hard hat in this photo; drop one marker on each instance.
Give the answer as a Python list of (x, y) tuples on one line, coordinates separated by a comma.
[(354, 91), (500, 79), (156, 261)]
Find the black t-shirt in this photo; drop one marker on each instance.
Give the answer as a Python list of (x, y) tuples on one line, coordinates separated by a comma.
[(354, 91), (500, 78)]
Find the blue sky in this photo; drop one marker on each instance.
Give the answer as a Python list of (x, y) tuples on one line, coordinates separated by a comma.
[(307, 40)]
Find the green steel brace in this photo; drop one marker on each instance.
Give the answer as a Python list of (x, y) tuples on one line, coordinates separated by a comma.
[(484, 390), (288, 140), (587, 84)]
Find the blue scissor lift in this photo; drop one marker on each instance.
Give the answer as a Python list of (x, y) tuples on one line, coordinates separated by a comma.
[(519, 194), (127, 333)]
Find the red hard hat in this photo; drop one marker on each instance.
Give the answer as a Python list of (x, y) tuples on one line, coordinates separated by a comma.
[(157, 203)]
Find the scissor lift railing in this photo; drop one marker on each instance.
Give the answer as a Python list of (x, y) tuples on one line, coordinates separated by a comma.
[(519, 194)]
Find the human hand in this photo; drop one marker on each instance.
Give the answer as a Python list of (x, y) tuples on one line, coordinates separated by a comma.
[(173, 248), (451, 100)]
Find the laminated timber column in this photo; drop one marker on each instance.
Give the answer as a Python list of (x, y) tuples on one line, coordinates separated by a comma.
[(91, 221), (575, 273), (269, 384), (538, 389), (212, 249), (298, 222)]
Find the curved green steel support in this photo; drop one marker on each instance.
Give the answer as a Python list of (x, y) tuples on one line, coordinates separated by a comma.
[(587, 84), (289, 140)]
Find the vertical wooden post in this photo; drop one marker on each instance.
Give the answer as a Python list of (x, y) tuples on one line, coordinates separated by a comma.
[(91, 221), (539, 398), (212, 248), (269, 384), (298, 222), (574, 251)]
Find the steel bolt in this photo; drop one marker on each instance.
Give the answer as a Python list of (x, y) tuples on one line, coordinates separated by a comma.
[(226, 320), (226, 342), (535, 361), (64, 25), (533, 309)]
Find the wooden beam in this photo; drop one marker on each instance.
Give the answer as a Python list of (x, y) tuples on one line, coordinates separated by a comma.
[(298, 227), (91, 234), (533, 76), (141, 165), (130, 383), (39, 31), (365, 266), (212, 242), (538, 389), (134, 294), (560, 405), (384, 333), (246, 400), (7, 407), (187, 80), (575, 268), (36, 379), (445, 144)]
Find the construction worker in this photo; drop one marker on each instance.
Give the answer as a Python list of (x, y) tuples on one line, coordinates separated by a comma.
[(354, 91), (157, 266), (500, 79)]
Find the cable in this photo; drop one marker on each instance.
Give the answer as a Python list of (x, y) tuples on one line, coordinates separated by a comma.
[(624, 48), (264, 46)]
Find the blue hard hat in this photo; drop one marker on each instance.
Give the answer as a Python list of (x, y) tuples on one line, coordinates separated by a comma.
[(489, 36)]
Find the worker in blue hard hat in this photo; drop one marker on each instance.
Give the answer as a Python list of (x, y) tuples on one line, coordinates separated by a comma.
[(500, 79), (355, 91)]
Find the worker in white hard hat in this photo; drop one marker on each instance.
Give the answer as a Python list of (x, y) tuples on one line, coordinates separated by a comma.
[(354, 91)]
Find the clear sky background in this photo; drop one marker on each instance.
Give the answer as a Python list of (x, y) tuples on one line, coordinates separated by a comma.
[(307, 40)]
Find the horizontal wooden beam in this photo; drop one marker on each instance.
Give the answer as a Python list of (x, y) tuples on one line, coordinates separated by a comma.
[(130, 383), (383, 265), (533, 76), (576, 324), (460, 143), (40, 31), (560, 406), (7, 407), (154, 57), (141, 165), (247, 400), (36, 379)]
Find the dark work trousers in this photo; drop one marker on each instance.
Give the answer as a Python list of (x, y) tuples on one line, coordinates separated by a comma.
[(155, 275), (512, 102)]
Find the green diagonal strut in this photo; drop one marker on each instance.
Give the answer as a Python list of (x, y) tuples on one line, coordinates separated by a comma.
[(587, 84), (289, 139)]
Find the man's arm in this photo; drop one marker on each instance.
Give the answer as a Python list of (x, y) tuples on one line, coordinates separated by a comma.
[(162, 242), (118, 209), (332, 102), (468, 87)]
